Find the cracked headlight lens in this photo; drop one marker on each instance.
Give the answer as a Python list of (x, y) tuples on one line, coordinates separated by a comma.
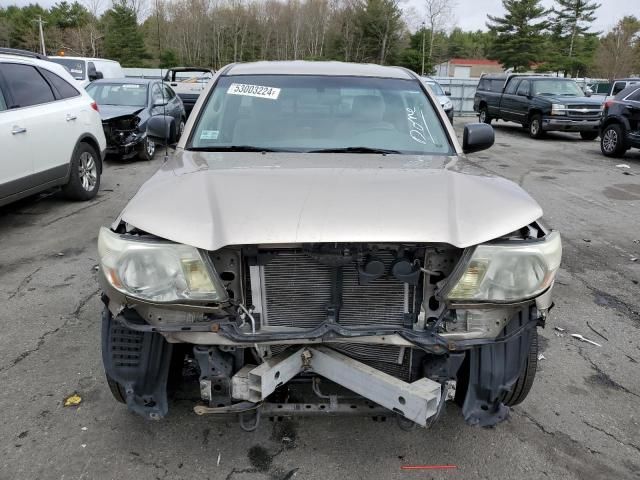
[(508, 272), (157, 271)]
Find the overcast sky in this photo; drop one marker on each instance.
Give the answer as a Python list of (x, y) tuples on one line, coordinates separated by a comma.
[(469, 14)]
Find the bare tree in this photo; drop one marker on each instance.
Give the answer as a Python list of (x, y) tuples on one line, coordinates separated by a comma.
[(438, 13), (619, 51)]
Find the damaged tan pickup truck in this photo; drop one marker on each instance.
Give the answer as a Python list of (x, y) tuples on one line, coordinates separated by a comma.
[(316, 245)]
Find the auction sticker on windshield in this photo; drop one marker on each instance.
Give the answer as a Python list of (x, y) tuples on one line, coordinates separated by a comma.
[(271, 93)]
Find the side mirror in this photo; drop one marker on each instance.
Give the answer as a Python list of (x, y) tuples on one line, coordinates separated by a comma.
[(588, 93), (161, 130), (447, 93), (94, 75), (476, 137)]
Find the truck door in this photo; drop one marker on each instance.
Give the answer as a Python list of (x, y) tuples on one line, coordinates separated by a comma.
[(508, 101)]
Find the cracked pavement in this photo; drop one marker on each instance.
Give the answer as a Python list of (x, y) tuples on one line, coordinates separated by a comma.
[(581, 419)]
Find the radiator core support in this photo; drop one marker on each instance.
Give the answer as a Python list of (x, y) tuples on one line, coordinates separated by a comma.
[(417, 401)]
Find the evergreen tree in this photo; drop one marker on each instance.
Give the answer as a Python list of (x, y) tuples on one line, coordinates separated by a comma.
[(572, 42), (123, 39), (519, 41), (381, 27)]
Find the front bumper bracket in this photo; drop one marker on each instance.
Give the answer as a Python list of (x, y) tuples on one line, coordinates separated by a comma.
[(417, 401)]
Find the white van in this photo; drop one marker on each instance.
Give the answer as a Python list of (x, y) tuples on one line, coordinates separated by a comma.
[(85, 70)]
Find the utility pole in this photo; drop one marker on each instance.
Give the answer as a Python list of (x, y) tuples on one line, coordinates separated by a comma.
[(40, 22), (423, 36), (423, 32)]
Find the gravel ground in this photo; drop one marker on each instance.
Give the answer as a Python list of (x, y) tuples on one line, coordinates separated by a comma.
[(581, 419)]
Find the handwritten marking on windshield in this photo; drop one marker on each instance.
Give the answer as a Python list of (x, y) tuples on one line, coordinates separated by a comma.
[(418, 126)]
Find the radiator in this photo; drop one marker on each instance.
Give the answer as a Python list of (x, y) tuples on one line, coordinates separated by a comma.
[(297, 289)]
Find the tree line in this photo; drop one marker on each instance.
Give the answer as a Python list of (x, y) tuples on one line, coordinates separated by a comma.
[(216, 32)]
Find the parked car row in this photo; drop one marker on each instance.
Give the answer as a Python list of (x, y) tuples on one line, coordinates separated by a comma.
[(542, 104), (54, 133)]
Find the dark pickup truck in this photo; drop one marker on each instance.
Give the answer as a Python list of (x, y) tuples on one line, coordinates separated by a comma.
[(539, 103)]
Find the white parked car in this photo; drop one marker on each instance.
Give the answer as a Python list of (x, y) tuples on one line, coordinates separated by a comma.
[(85, 70), (50, 130)]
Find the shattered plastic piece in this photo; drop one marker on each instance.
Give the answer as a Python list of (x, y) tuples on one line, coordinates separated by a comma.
[(634, 259), (623, 165), (582, 339), (428, 467), (84, 429), (541, 357), (218, 462), (84, 445), (72, 400), (60, 254), (560, 329)]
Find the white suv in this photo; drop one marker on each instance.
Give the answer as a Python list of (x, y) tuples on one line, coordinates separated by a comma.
[(50, 130)]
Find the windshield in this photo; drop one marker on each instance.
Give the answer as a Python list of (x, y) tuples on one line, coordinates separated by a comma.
[(567, 88), (437, 89), (125, 94), (74, 67), (313, 113), (193, 77)]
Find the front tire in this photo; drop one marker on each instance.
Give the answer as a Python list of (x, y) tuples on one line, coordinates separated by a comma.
[(523, 385), (148, 150), (84, 175), (535, 126), (117, 390), (181, 128), (484, 116), (612, 142), (589, 135)]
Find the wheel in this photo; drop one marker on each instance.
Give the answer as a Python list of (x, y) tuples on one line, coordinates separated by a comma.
[(117, 390), (148, 150), (589, 135), (523, 385), (484, 115), (535, 126), (612, 141), (181, 128), (84, 177)]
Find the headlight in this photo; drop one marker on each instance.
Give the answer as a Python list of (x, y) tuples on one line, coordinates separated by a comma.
[(508, 272), (157, 271), (558, 109), (447, 105)]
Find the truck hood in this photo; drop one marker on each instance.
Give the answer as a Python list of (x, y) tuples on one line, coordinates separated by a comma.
[(210, 200), (569, 100)]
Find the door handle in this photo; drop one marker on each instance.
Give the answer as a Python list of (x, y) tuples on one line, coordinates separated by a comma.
[(70, 117), (16, 129)]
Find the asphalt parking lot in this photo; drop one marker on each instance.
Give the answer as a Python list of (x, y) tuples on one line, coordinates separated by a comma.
[(582, 419)]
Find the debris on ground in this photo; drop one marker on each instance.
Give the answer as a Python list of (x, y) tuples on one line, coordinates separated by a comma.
[(559, 329), (586, 240), (623, 165), (634, 259), (597, 332), (84, 429), (60, 254), (541, 357), (72, 400), (428, 467), (84, 445), (582, 339), (218, 462)]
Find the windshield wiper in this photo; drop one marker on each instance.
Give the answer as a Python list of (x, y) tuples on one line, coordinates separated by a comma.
[(384, 151), (233, 148)]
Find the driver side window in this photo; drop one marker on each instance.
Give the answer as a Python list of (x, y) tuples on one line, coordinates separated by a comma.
[(156, 95), (3, 103), (523, 88)]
